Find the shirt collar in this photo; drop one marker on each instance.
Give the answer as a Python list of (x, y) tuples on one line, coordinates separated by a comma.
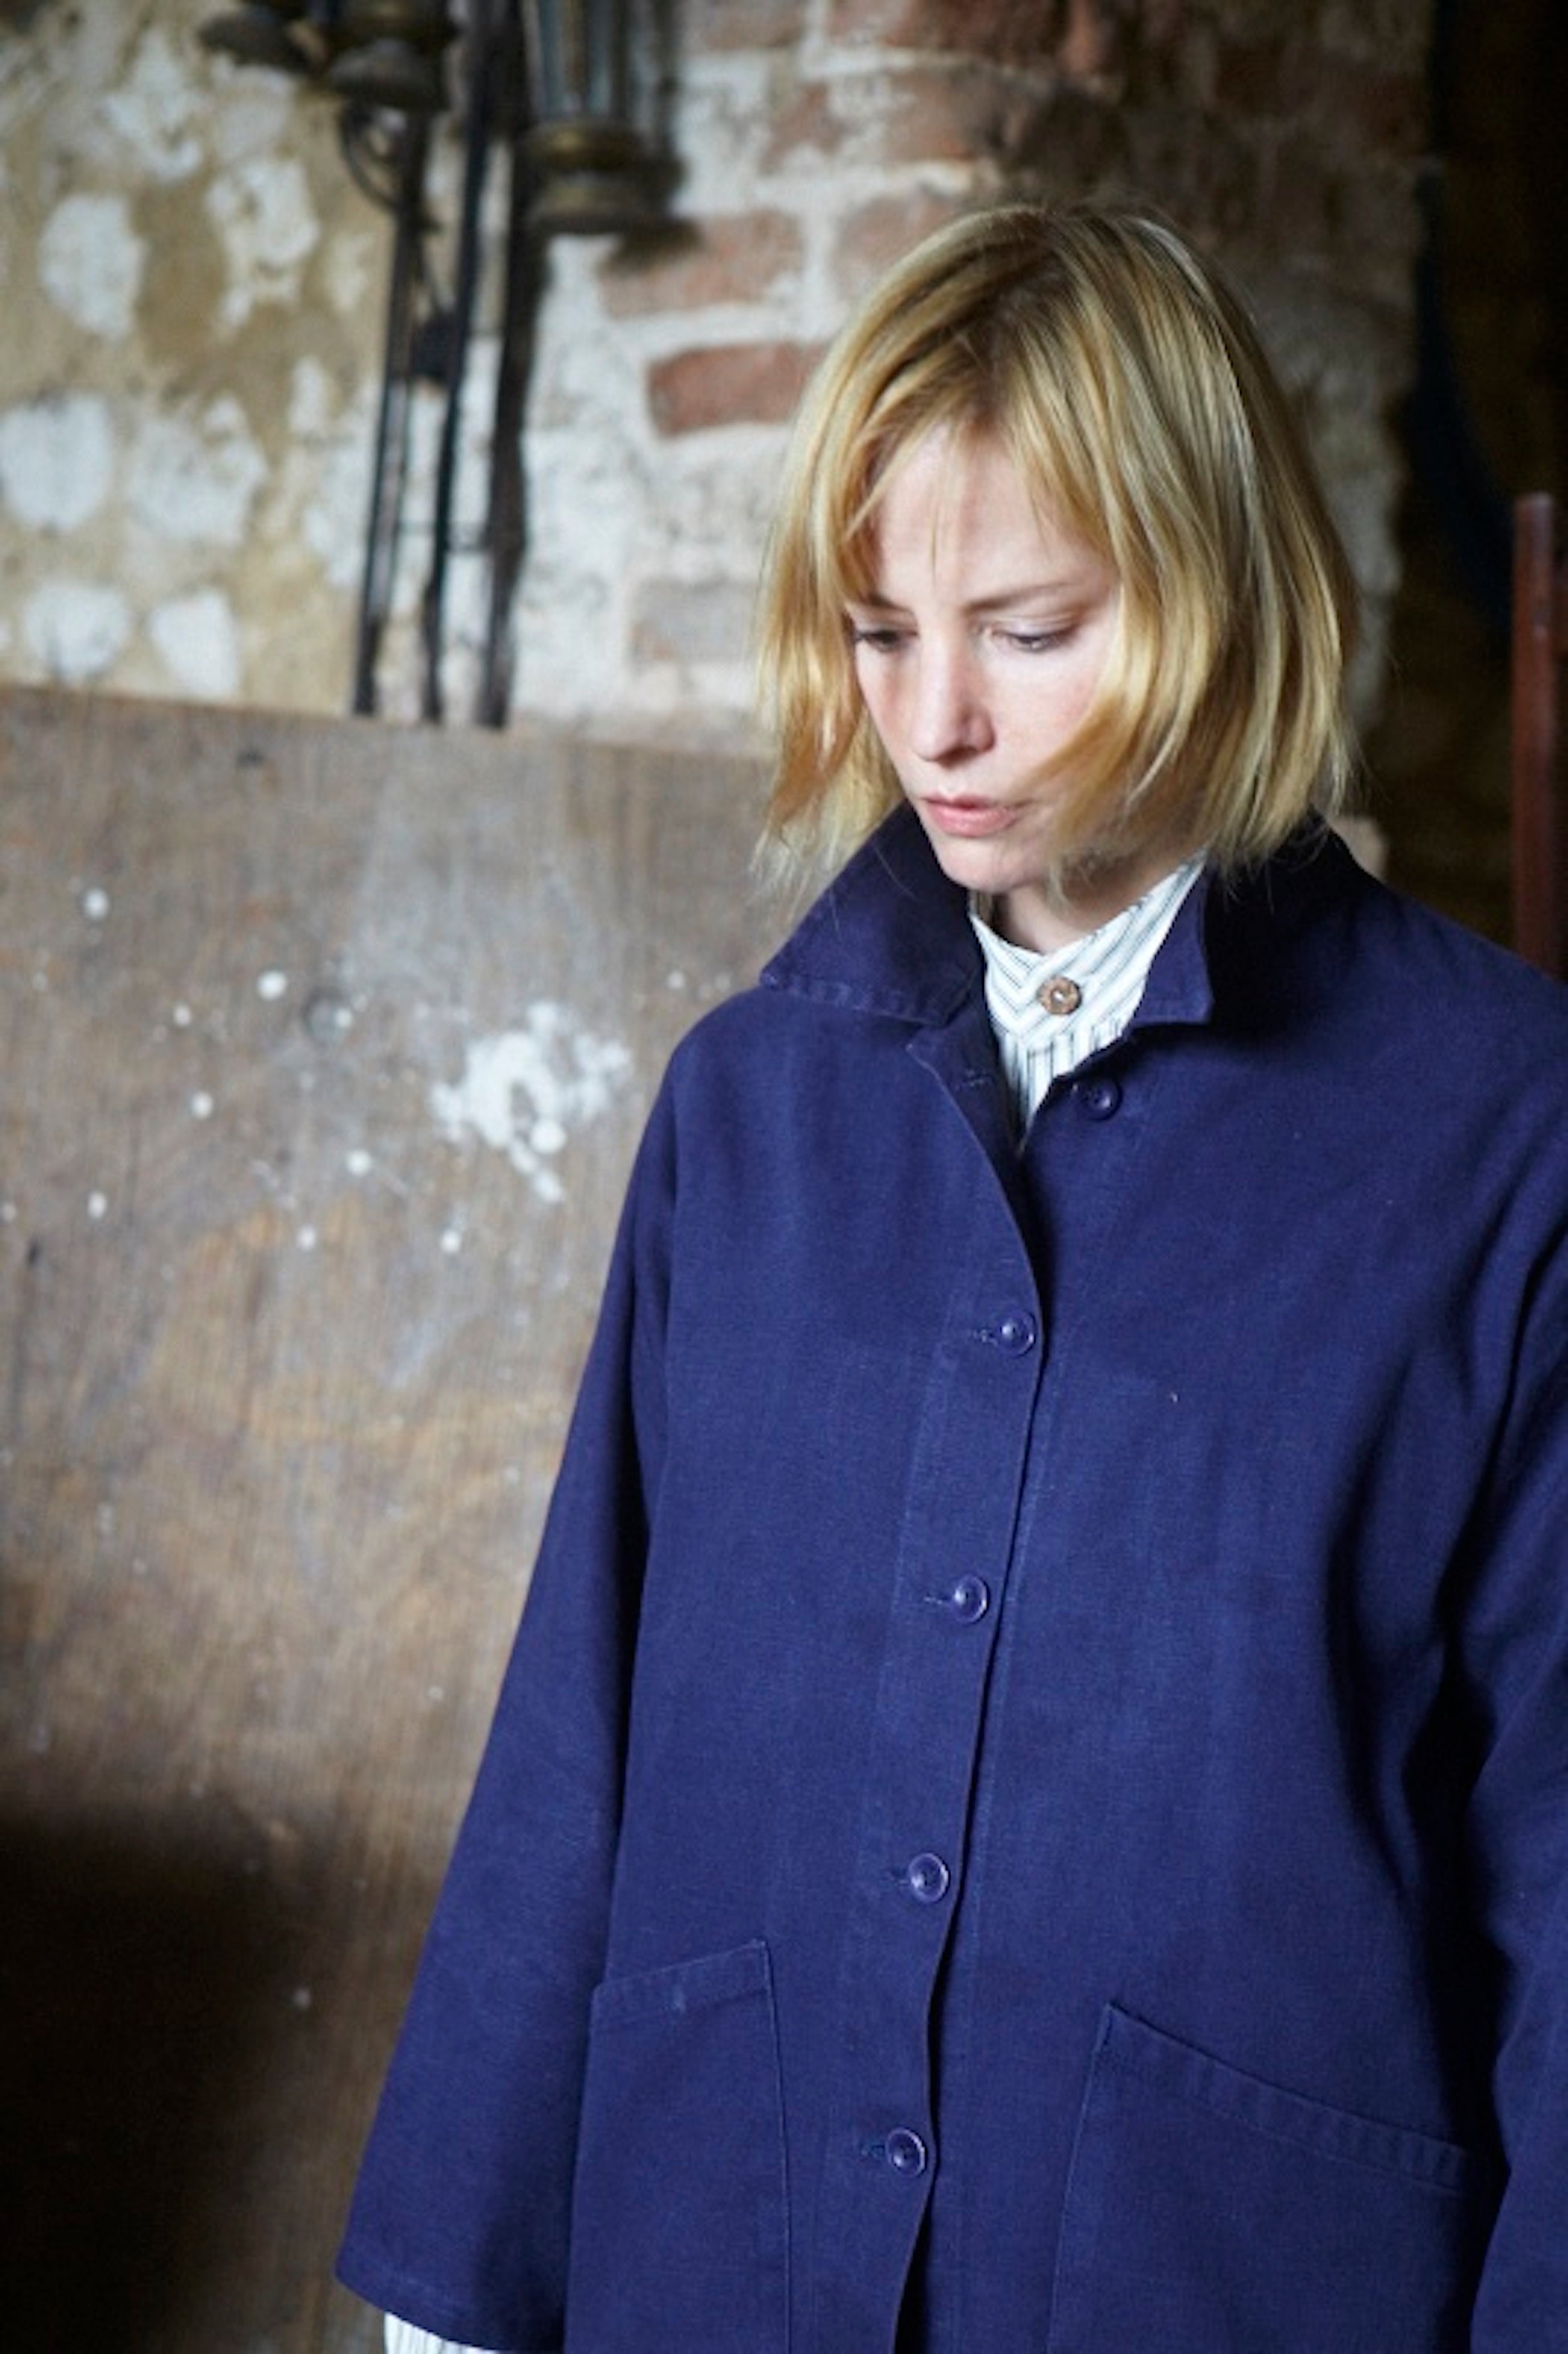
[(891, 935), (1088, 990)]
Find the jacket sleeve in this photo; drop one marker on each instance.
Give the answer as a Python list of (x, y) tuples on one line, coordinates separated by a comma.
[(459, 2222), (1516, 1646)]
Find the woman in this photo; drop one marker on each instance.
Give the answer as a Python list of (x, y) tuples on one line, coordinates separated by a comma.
[(1027, 1814)]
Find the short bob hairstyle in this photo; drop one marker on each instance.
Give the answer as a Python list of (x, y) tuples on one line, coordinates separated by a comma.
[(1127, 386)]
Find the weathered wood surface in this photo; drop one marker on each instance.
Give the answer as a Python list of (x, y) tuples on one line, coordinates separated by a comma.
[(326, 1048)]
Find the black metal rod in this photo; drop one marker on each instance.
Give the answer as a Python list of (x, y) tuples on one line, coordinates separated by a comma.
[(390, 471), (476, 159), (506, 524)]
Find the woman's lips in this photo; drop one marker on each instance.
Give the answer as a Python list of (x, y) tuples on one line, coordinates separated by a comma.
[(969, 819)]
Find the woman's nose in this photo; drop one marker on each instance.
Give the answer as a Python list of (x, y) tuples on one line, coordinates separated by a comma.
[(949, 715)]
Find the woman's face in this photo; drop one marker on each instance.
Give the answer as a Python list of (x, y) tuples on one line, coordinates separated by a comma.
[(977, 650)]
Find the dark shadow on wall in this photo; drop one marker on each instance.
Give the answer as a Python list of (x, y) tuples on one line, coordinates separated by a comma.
[(1487, 418), (127, 2032), (141, 2041)]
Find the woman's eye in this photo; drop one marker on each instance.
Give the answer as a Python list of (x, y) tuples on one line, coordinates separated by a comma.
[(1036, 642), (877, 636)]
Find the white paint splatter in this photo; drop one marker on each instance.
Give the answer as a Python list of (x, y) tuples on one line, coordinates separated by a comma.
[(272, 986), (358, 1162), (199, 640), (201, 1105), (57, 459), (523, 1092), (95, 904), (157, 109), (306, 1238), (262, 211), (181, 1017), (76, 629), (91, 261), (195, 478), (97, 1205)]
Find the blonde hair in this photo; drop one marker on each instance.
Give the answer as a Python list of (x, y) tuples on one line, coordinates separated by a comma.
[(1130, 388)]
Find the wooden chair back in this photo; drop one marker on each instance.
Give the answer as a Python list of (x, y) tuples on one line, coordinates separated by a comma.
[(1540, 796)]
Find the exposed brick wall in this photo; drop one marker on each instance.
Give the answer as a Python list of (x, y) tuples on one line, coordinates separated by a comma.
[(1287, 138), (816, 140)]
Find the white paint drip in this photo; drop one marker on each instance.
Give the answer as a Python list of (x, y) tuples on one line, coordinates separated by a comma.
[(523, 1092)]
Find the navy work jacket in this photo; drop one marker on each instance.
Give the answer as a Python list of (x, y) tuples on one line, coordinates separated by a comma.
[(1032, 1791)]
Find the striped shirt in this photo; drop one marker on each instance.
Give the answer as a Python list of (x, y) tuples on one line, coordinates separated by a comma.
[(1050, 1012)]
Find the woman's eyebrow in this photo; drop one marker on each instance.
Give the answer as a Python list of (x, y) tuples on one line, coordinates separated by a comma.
[(1064, 585)]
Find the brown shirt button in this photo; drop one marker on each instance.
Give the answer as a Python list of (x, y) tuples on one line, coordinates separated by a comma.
[(1060, 995)]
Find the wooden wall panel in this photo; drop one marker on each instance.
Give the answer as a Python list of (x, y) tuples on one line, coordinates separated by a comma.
[(326, 1048)]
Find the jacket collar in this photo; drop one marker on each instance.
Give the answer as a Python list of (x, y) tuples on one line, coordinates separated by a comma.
[(891, 935)]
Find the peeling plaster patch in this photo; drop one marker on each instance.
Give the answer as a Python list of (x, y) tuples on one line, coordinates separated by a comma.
[(256, 114), (312, 402), (90, 263), (523, 1092), (196, 481), (76, 629), (158, 108), (57, 459), (351, 272), (198, 639), (262, 211), (332, 501)]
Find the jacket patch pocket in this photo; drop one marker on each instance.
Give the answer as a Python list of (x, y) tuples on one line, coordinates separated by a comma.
[(1211, 2213), (679, 2211)]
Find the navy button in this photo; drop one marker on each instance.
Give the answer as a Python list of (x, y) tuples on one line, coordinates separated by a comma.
[(968, 1598), (1099, 1097), (927, 1879), (905, 2152), (1015, 1333)]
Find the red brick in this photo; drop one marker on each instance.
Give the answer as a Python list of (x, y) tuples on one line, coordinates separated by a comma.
[(739, 258), (880, 233), (1093, 47), (808, 124), (1373, 106), (728, 384), (936, 113), (1350, 100), (959, 113), (715, 25), (1007, 32)]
